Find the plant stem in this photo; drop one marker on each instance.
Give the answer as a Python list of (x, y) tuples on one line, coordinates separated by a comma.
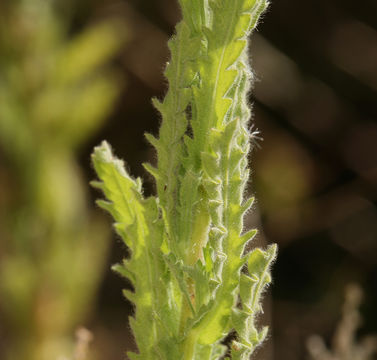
[(189, 345)]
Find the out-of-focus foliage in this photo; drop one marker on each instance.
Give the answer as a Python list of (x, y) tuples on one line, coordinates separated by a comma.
[(55, 92), (345, 345)]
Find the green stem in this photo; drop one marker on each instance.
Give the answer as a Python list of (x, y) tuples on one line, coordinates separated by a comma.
[(189, 345)]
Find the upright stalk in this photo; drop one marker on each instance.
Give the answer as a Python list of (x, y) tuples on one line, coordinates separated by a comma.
[(192, 233)]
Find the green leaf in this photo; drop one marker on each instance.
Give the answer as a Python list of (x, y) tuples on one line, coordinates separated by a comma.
[(188, 244)]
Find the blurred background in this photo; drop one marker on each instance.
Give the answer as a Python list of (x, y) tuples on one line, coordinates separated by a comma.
[(74, 73)]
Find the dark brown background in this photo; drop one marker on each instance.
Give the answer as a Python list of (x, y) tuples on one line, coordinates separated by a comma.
[(314, 174)]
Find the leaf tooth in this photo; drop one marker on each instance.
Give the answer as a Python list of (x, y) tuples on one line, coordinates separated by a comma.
[(153, 140), (256, 11), (272, 252), (139, 188), (106, 205), (128, 233), (257, 262), (246, 206), (268, 278), (247, 284), (97, 184), (153, 171), (238, 47), (120, 229), (248, 236), (125, 272), (262, 334), (103, 152), (158, 105), (130, 295), (260, 261)]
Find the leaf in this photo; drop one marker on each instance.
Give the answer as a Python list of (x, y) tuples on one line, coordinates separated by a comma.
[(82, 55), (188, 244)]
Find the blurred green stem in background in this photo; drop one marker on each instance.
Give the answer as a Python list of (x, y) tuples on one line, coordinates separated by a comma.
[(55, 93)]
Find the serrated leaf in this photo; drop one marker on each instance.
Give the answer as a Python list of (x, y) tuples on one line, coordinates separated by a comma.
[(197, 247), (124, 271)]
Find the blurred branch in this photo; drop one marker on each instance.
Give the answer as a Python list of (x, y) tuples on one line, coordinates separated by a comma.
[(55, 92), (344, 344), (83, 339)]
